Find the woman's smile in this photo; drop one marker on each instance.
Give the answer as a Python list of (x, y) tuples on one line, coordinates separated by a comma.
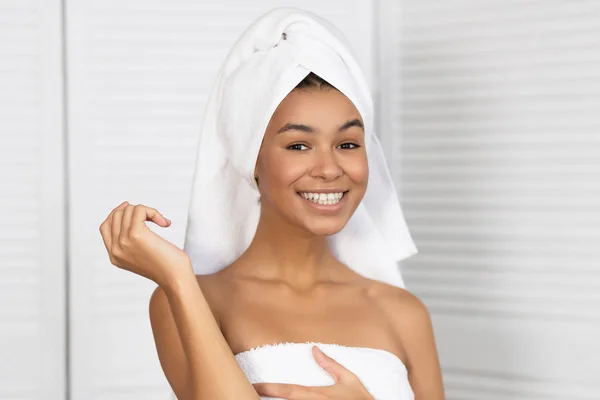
[(330, 202)]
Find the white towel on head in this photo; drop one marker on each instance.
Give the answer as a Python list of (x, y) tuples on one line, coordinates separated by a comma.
[(270, 58)]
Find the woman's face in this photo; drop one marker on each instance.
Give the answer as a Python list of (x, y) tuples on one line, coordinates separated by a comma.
[(312, 165)]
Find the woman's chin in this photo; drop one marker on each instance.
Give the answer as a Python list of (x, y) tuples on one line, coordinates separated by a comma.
[(326, 228)]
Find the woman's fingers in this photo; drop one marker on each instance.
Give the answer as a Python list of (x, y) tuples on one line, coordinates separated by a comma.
[(347, 385), (126, 222), (142, 213), (335, 369), (105, 227), (115, 228), (133, 247)]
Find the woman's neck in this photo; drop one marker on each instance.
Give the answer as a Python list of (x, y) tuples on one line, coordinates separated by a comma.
[(286, 253)]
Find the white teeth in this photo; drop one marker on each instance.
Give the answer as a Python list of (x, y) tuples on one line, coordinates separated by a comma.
[(323, 198)]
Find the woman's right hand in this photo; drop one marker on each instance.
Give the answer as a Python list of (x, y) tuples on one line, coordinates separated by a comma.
[(132, 246)]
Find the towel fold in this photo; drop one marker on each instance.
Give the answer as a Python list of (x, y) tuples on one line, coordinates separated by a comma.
[(269, 59)]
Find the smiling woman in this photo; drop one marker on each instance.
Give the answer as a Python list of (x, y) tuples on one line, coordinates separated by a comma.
[(312, 166), (298, 296)]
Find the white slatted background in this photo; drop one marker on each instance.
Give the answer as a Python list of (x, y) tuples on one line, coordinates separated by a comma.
[(32, 202), (139, 76), (498, 160)]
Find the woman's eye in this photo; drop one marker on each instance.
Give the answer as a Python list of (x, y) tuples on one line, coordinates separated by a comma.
[(297, 146), (349, 146)]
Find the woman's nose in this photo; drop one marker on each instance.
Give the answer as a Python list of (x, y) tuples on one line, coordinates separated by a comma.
[(326, 166)]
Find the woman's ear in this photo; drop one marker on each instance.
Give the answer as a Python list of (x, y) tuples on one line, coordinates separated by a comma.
[(256, 179)]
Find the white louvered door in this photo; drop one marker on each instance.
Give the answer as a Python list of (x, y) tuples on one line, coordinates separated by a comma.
[(497, 106), (32, 204), (139, 76)]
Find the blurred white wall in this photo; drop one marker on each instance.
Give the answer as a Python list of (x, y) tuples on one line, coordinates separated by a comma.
[(33, 219), (488, 112)]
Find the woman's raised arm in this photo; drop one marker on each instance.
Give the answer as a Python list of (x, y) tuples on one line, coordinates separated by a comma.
[(193, 352)]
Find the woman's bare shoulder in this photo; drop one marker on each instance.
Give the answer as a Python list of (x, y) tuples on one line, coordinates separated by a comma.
[(215, 289), (210, 282), (411, 322), (404, 309), (210, 285)]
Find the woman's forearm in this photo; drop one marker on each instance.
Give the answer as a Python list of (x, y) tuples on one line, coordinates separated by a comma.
[(214, 372)]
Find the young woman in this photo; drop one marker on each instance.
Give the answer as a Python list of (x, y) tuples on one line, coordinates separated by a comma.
[(248, 329)]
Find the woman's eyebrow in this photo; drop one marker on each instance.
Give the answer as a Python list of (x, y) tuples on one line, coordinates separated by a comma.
[(355, 122), (307, 128), (296, 127)]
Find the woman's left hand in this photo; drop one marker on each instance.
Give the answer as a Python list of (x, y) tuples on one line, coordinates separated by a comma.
[(347, 385)]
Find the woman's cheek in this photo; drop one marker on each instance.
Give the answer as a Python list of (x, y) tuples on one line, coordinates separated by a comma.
[(292, 171), (357, 169)]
